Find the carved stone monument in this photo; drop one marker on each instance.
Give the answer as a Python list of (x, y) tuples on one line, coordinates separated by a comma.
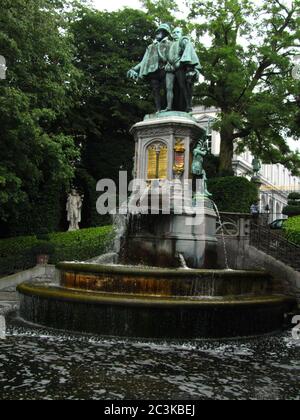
[(165, 162)]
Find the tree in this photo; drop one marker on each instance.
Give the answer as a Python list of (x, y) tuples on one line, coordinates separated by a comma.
[(108, 45), (162, 11), (36, 158), (248, 75)]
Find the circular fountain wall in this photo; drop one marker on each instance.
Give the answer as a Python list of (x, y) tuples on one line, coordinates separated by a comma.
[(157, 303)]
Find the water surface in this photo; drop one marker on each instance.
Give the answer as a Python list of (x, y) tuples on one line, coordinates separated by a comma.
[(43, 364)]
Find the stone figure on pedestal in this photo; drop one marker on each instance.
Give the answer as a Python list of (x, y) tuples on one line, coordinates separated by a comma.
[(74, 207), (3, 68)]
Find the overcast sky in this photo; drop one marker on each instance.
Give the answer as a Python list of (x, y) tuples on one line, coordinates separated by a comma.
[(116, 4), (111, 5)]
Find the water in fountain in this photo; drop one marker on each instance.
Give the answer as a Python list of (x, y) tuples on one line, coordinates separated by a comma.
[(2, 327), (223, 235), (183, 262)]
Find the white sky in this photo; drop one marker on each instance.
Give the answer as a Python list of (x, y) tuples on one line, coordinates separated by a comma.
[(111, 5)]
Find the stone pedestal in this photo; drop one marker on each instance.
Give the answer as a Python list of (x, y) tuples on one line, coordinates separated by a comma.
[(161, 234)]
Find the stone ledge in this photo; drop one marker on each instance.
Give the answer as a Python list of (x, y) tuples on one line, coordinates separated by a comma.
[(9, 283)]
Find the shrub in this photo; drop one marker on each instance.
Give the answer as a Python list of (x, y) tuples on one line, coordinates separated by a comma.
[(43, 248), (17, 254), (292, 229), (81, 245), (233, 194), (291, 211), (294, 196), (293, 207)]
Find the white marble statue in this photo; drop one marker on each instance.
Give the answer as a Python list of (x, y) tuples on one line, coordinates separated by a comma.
[(74, 207)]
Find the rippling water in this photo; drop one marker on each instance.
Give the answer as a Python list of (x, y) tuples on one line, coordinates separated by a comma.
[(38, 364)]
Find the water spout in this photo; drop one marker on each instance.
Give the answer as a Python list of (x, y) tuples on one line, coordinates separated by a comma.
[(120, 222), (2, 327), (183, 263), (223, 236)]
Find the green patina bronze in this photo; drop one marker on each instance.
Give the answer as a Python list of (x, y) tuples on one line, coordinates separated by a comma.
[(170, 114), (170, 64), (198, 170)]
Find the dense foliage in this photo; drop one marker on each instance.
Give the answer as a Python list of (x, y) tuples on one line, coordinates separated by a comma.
[(233, 194), (293, 207), (20, 253), (292, 229), (36, 158), (247, 68)]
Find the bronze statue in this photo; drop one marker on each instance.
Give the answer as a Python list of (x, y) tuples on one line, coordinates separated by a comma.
[(197, 167), (152, 67), (182, 72)]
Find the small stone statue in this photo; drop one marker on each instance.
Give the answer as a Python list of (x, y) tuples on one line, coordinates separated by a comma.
[(197, 167), (3, 67), (74, 207)]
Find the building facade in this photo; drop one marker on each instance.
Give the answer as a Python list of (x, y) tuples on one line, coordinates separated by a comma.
[(277, 181)]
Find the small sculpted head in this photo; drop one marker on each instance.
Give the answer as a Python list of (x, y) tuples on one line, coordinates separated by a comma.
[(177, 34), (162, 32)]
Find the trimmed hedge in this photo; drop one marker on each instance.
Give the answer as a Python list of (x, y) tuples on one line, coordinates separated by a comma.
[(293, 207), (17, 254), (292, 229), (294, 196), (233, 194), (291, 211)]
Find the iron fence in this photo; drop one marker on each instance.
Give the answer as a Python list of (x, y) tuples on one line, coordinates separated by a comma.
[(275, 245)]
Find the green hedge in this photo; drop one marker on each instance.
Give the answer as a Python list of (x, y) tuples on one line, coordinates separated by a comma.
[(17, 254), (293, 207), (292, 229), (291, 211), (294, 196), (233, 194)]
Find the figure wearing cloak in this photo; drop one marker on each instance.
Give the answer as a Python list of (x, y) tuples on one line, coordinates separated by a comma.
[(183, 70), (152, 67)]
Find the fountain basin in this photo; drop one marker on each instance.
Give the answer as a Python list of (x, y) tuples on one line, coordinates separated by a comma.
[(163, 282), (151, 317)]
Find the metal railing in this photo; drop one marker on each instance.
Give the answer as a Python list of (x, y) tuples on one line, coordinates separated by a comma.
[(234, 224), (275, 245)]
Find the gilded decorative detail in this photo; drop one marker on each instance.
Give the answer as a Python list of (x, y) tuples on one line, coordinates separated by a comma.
[(157, 161), (179, 157)]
